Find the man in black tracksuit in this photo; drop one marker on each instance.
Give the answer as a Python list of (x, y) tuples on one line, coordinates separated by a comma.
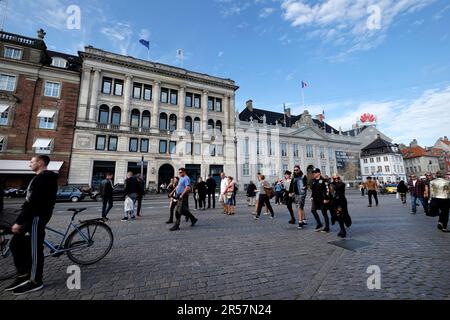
[(320, 200), (27, 244), (211, 191), (106, 190)]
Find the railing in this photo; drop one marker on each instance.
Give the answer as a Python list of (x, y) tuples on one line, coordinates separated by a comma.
[(5, 36)]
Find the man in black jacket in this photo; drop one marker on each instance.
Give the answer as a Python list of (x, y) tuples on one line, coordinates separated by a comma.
[(27, 244), (106, 190), (320, 200), (211, 191), (297, 192), (131, 191)]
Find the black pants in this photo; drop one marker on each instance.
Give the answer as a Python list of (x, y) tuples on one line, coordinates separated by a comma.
[(27, 249), (443, 206), (375, 196), (139, 204), (264, 199), (278, 197), (289, 202), (324, 208), (183, 209), (173, 205), (362, 192), (213, 195), (202, 201), (403, 197), (195, 200), (107, 206)]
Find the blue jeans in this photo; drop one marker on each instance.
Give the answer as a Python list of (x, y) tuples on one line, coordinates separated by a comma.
[(414, 203)]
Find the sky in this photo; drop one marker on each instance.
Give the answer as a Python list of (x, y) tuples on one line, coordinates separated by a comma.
[(385, 57)]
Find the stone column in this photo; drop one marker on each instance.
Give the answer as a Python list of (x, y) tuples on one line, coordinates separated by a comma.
[(94, 95), (155, 111), (226, 112), (181, 101), (205, 112), (84, 94), (125, 118)]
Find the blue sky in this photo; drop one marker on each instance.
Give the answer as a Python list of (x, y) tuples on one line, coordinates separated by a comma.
[(395, 64)]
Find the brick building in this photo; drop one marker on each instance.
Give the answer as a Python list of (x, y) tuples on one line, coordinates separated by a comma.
[(39, 92)]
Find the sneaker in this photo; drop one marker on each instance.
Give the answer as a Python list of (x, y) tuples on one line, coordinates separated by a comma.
[(318, 227), (271, 217), (193, 222), (300, 226), (169, 221), (291, 221), (369, 205), (304, 222), (256, 218), (19, 281), (27, 288), (133, 218), (440, 226), (266, 213), (342, 234), (325, 230), (445, 230), (175, 228), (124, 219)]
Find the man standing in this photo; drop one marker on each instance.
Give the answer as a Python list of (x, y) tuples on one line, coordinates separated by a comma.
[(372, 190), (440, 199), (211, 185), (27, 244), (416, 189), (223, 189), (201, 191), (182, 196), (426, 190), (320, 197), (131, 191), (106, 190), (297, 190), (140, 194)]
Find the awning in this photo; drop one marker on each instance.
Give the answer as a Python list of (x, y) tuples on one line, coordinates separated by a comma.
[(42, 143), (22, 166), (46, 113), (3, 107)]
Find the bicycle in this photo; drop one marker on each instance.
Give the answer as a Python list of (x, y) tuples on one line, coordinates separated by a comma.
[(79, 245)]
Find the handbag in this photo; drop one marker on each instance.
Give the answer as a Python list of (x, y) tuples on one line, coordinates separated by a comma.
[(269, 192)]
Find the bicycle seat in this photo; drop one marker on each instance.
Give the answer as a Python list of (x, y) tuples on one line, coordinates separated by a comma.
[(77, 210)]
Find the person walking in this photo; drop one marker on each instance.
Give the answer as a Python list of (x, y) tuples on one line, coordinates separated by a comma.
[(440, 200), (264, 198), (279, 191), (426, 191), (211, 191), (106, 191), (362, 188), (27, 243), (339, 208), (289, 199), (173, 201), (416, 190), (372, 190), (131, 191), (402, 190), (251, 194), (182, 196), (320, 197), (297, 191), (229, 196), (195, 195), (201, 191), (223, 189), (140, 194)]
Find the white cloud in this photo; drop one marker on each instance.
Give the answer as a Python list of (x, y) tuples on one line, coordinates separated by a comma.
[(266, 12), (220, 54), (121, 34)]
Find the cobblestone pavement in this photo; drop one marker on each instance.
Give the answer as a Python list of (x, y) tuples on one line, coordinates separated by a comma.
[(236, 257)]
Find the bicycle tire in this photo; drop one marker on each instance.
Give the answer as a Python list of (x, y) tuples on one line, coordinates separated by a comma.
[(78, 247), (7, 267)]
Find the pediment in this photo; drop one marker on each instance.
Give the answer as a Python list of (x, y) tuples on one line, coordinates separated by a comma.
[(310, 133)]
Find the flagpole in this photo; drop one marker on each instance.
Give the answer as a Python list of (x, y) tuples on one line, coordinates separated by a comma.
[(148, 54), (303, 98)]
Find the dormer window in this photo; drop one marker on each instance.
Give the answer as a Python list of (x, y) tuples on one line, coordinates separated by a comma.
[(12, 53), (59, 62)]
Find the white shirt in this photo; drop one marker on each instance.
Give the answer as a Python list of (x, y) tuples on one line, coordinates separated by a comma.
[(223, 185)]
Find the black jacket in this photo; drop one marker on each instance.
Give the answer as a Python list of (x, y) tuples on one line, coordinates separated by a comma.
[(201, 188), (402, 188), (320, 190), (292, 185), (211, 183), (251, 190), (132, 186), (40, 199), (106, 188)]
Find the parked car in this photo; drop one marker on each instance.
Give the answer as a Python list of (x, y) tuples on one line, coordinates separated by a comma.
[(69, 194), (15, 193), (391, 188), (118, 193)]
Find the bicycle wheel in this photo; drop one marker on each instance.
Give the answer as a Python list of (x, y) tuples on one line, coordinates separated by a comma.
[(90, 243), (7, 268)]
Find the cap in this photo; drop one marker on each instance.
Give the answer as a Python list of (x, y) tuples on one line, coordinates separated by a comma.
[(316, 170), (287, 172)]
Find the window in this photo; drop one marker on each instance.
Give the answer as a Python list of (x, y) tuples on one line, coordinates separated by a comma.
[(330, 153), (218, 105), (420, 168), (137, 90), (372, 160), (144, 145), (59, 62), (197, 101), (173, 97), (106, 85), (52, 89), (365, 161), (385, 159), (198, 149), (188, 124), (147, 92), (218, 127), (220, 149), (188, 100), (172, 147), (13, 53), (372, 169), (269, 147), (378, 159), (324, 169), (43, 145), (118, 87), (162, 146), (163, 121), (4, 115), (246, 169), (115, 116), (100, 143), (103, 114), (379, 169), (46, 119), (135, 118), (146, 119), (164, 95), (210, 104), (366, 170), (188, 150), (259, 167), (322, 152), (309, 151), (212, 150), (133, 145), (7, 82), (2, 143), (246, 146), (211, 127), (258, 151), (284, 150), (284, 168), (112, 143), (295, 150), (172, 123), (197, 125)]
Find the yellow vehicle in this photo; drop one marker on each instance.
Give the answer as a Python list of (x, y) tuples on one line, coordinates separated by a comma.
[(391, 188)]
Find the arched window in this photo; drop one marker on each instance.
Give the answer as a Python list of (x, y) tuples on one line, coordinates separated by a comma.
[(172, 123), (146, 119), (163, 121), (188, 124), (103, 114), (116, 113), (211, 127), (135, 118), (219, 127), (197, 125)]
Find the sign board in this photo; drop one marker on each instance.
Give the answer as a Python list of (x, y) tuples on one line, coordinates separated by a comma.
[(348, 165)]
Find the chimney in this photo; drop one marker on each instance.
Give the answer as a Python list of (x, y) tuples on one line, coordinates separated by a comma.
[(445, 138), (287, 112), (249, 105), (41, 34), (413, 143)]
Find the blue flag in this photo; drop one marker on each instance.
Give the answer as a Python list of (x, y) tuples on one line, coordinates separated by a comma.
[(145, 43)]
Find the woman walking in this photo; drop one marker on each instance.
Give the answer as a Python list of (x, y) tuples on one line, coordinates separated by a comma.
[(288, 196), (229, 196), (402, 190), (264, 198), (172, 202), (251, 194), (339, 210)]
